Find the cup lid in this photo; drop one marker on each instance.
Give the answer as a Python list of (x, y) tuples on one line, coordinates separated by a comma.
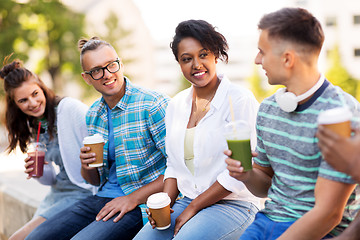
[(334, 115), (96, 138), (238, 130), (36, 146), (158, 200)]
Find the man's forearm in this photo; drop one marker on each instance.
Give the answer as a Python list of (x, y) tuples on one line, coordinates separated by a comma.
[(258, 182), (91, 176)]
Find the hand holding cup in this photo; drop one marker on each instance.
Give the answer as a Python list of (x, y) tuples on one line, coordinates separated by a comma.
[(92, 152), (237, 134), (337, 119), (35, 161), (159, 210)]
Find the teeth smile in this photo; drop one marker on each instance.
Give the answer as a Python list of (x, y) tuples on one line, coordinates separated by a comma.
[(108, 83), (199, 74)]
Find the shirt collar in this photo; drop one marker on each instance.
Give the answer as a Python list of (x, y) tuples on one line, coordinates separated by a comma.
[(313, 98), (221, 92), (122, 104)]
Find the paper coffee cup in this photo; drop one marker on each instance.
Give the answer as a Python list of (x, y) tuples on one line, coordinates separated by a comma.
[(159, 206), (337, 119), (96, 144), (237, 136)]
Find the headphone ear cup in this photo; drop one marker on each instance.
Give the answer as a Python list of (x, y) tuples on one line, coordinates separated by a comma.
[(287, 101)]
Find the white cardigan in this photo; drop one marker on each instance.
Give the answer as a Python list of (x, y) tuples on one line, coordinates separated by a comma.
[(71, 128)]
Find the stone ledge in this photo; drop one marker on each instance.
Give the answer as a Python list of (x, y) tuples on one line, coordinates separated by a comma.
[(19, 197)]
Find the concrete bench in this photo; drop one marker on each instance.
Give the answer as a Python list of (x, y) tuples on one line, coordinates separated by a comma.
[(19, 197)]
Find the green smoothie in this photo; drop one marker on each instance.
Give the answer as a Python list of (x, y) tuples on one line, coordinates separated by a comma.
[(241, 151)]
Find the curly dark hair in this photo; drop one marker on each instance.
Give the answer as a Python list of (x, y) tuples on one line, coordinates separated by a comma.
[(19, 125), (205, 33)]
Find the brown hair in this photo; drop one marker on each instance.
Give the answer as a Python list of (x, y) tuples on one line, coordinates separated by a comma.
[(93, 43), (19, 125), (295, 25)]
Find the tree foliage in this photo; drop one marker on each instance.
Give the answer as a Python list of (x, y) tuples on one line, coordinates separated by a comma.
[(338, 75), (118, 37), (47, 28)]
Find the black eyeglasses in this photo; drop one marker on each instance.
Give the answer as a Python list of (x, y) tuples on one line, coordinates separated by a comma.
[(99, 73)]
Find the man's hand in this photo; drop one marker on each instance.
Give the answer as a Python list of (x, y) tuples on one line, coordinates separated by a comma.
[(86, 158), (120, 205), (235, 169), (341, 153)]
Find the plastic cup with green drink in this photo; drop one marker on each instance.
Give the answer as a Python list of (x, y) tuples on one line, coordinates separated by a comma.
[(237, 134)]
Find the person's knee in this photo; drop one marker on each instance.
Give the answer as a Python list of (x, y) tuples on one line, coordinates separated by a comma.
[(38, 234)]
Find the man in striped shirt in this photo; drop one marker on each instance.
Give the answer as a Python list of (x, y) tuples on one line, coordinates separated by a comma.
[(307, 197), (131, 120)]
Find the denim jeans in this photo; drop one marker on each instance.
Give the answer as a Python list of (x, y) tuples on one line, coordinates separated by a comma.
[(78, 222), (226, 219), (265, 229)]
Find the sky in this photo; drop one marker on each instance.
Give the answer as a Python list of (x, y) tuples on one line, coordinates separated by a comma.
[(231, 17)]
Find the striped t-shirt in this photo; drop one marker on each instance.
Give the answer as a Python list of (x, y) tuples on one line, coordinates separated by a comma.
[(287, 144)]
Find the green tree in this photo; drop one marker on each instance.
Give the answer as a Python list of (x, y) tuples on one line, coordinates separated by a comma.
[(48, 28), (338, 75), (118, 36)]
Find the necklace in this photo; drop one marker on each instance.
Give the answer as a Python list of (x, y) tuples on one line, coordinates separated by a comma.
[(202, 111), (211, 98)]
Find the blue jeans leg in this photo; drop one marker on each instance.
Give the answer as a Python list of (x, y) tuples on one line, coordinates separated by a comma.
[(226, 219), (74, 219), (126, 228), (264, 228)]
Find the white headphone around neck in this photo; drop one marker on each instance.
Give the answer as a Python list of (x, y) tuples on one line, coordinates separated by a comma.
[(288, 101)]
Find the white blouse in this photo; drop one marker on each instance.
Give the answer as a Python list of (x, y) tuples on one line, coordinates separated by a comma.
[(209, 142)]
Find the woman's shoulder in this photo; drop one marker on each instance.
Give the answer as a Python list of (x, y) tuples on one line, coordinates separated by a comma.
[(69, 105)]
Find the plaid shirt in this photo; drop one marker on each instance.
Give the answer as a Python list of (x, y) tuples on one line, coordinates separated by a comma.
[(139, 135)]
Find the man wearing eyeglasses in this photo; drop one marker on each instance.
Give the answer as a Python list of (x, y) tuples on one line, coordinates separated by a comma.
[(134, 153)]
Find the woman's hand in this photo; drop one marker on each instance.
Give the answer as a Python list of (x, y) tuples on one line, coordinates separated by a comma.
[(185, 216), (29, 166), (151, 220)]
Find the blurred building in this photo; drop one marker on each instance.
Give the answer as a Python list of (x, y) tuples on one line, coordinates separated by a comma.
[(155, 67), (341, 24), (340, 21)]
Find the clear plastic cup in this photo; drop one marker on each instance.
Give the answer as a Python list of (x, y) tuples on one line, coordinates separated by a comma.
[(238, 135), (36, 152)]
